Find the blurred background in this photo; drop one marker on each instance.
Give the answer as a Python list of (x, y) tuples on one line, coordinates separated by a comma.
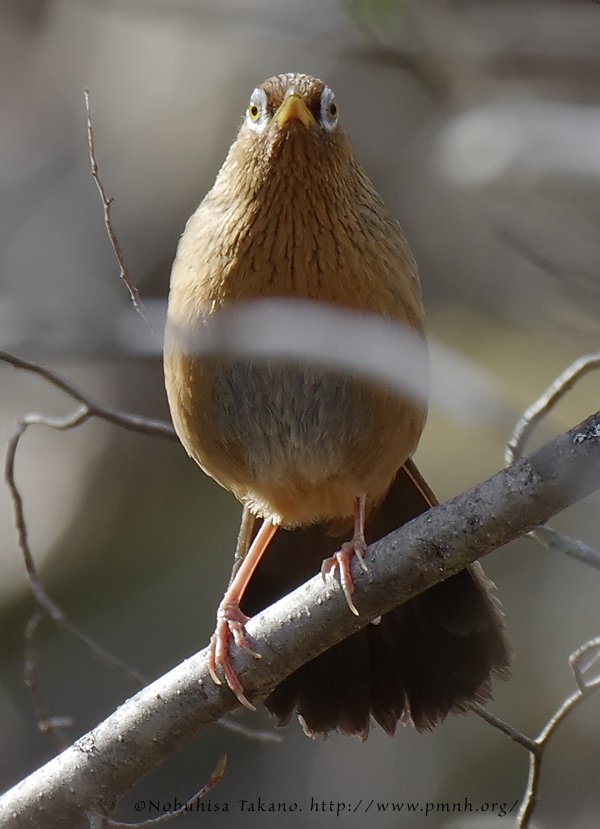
[(479, 122)]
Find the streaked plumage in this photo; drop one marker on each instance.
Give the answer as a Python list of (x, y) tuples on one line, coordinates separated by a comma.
[(292, 214)]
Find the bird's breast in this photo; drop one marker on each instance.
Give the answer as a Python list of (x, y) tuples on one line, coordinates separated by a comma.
[(296, 443)]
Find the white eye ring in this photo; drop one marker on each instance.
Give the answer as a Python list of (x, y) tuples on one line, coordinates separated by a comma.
[(256, 114), (328, 109)]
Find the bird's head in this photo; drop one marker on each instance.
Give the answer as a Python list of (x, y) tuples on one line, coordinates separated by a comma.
[(290, 130), (286, 103)]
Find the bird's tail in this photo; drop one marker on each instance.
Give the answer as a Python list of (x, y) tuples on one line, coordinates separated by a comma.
[(435, 654)]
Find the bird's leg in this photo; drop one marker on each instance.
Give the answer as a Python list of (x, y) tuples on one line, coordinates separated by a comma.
[(343, 558), (244, 540), (231, 620)]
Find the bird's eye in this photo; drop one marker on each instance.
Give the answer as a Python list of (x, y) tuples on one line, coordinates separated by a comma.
[(257, 110), (329, 109)]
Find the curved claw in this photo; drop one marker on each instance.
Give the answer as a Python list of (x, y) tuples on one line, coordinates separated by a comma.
[(341, 561), (230, 625)]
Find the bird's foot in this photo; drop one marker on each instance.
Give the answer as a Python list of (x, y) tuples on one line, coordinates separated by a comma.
[(230, 625), (342, 561)]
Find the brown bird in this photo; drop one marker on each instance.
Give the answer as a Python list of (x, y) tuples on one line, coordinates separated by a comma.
[(312, 451)]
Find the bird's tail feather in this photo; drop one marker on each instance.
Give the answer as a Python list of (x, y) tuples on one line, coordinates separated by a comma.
[(435, 654)]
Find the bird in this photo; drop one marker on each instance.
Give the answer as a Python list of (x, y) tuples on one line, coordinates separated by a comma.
[(320, 458)]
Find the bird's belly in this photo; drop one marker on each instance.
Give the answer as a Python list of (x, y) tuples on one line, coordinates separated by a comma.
[(295, 443)]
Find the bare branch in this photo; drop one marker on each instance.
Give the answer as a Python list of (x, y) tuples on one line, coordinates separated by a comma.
[(79, 416), (514, 734), (538, 745), (88, 408), (546, 402), (262, 736), (573, 547), (134, 423), (217, 774), (107, 206), (150, 726), (546, 536), (583, 659), (531, 797), (46, 723)]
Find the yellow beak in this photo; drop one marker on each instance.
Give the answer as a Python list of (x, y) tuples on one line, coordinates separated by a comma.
[(293, 108)]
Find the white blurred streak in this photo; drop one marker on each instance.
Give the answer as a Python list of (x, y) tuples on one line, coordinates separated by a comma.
[(363, 344), (465, 390), (488, 142)]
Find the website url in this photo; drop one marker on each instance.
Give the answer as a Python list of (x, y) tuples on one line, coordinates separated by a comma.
[(498, 808)]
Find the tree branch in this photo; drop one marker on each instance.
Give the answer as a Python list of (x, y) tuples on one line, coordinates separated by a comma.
[(532, 417), (103, 764), (107, 208), (91, 407)]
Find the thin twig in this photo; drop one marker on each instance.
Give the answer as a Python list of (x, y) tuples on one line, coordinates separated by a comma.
[(217, 774), (546, 402), (583, 659), (514, 734), (88, 408), (134, 423), (76, 418), (565, 544), (538, 745), (547, 536), (46, 723), (107, 207), (531, 797), (249, 733)]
